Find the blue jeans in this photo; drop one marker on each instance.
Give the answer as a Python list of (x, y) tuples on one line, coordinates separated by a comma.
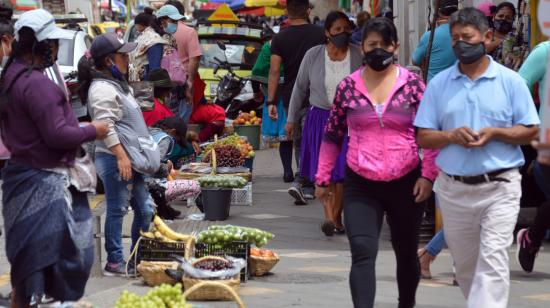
[(437, 244), (117, 194)]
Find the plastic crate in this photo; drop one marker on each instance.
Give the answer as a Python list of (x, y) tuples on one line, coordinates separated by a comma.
[(242, 196), (154, 250), (239, 250)]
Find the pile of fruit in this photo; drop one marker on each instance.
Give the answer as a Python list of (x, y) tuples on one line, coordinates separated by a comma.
[(245, 118), (264, 253), (227, 234), (226, 156), (162, 296), (234, 140), (163, 233), (213, 263), (222, 181)]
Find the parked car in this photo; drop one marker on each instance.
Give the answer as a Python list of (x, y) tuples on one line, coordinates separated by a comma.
[(70, 52)]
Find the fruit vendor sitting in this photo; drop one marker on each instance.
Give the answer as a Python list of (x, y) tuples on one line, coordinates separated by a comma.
[(162, 91), (209, 116)]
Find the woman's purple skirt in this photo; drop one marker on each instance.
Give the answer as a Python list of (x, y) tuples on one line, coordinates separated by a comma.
[(312, 136)]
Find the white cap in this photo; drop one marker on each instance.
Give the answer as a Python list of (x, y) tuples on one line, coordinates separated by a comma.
[(43, 24)]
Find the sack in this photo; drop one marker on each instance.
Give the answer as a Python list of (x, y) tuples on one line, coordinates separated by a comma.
[(144, 94), (172, 63), (142, 150)]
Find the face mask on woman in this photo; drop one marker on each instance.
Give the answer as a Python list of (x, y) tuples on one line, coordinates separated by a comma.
[(340, 40), (117, 74), (171, 28), (503, 25), (378, 59)]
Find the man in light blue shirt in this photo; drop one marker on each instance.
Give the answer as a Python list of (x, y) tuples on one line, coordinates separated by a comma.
[(442, 55), (478, 112)]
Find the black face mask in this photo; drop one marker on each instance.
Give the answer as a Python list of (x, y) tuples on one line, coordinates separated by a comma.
[(503, 26), (340, 40), (469, 53), (378, 59)]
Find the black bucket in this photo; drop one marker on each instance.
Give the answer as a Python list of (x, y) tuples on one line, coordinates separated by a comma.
[(216, 203)]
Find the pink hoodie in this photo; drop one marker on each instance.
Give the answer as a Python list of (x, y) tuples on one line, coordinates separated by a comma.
[(381, 148)]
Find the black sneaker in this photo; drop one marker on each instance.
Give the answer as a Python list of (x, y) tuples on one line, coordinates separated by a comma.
[(309, 192), (526, 252), (296, 192), (118, 270)]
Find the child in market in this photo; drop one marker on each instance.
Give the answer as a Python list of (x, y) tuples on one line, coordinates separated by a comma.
[(172, 138)]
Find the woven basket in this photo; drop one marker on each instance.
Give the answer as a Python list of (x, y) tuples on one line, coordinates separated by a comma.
[(153, 272), (204, 284), (211, 292), (260, 266)]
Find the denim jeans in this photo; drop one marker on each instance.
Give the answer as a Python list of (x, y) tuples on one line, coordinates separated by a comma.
[(117, 194), (437, 244)]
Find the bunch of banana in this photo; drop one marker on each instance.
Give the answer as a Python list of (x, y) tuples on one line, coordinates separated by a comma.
[(164, 233)]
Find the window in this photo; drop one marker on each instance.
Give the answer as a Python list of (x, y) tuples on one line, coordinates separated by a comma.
[(242, 54), (65, 53)]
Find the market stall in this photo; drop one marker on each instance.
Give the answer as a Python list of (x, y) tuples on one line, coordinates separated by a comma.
[(211, 264)]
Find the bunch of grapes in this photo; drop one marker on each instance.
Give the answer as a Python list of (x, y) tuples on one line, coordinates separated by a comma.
[(163, 296), (214, 265), (226, 156)]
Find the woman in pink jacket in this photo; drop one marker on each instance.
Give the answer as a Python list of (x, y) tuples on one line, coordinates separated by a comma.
[(376, 106)]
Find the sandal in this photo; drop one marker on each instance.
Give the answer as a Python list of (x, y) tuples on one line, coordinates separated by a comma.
[(425, 260)]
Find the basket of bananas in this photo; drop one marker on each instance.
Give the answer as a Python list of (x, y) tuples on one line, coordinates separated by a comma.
[(156, 248)]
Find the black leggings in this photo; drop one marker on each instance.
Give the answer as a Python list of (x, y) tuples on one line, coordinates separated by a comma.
[(365, 203), (542, 221)]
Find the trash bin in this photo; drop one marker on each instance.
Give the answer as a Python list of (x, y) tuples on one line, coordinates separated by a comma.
[(216, 203), (252, 134)]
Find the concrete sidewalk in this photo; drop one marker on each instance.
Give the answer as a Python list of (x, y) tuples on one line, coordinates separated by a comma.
[(313, 271)]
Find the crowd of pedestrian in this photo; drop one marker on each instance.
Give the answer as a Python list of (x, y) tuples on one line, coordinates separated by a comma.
[(370, 139)]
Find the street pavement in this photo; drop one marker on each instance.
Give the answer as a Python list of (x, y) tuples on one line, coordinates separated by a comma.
[(313, 271)]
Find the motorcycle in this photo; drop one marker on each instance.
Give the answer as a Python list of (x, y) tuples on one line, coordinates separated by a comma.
[(234, 93)]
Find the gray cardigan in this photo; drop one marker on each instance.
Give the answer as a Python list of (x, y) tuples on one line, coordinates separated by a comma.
[(310, 82)]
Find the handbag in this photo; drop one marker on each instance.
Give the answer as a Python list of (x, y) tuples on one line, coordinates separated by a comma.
[(172, 63)]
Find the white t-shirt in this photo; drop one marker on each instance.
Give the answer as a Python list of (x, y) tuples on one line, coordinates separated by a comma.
[(335, 72)]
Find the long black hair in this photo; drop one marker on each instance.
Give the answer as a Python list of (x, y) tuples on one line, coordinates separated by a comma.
[(147, 19), (27, 44)]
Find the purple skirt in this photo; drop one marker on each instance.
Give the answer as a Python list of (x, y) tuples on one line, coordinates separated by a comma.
[(312, 137)]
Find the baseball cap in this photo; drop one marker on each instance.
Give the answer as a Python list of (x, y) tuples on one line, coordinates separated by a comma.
[(43, 25), (109, 43), (169, 11)]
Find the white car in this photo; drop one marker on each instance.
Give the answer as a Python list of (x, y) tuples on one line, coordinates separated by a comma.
[(70, 52)]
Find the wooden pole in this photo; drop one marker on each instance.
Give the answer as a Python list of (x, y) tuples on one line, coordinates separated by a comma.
[(428, 54)]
